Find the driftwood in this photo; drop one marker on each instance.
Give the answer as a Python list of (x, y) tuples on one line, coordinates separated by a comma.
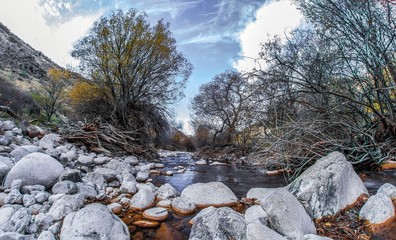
[(104, 138), (9, 111)]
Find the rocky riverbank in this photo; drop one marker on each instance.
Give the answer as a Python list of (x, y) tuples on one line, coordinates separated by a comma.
[(54, 190)]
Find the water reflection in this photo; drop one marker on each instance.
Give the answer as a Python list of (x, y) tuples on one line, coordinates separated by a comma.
[(242, 178), (239, 178)]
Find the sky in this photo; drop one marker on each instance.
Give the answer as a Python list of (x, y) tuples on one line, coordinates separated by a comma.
[(214, 35)]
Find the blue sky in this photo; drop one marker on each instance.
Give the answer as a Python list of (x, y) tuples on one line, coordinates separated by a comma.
[(215, 35)]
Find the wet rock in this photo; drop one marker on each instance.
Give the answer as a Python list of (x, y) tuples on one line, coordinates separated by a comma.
[(209, 194), (221, 224), (286, 215), (378, 209), (35, 168), (143, 199), (167, 232), (328, 186), (164, 203), (116, 208), (156, 214), (95, 221), (388, 189), (202, 213), (258, 231), (66, 205), (166, 191), (146, 224), (256, 214), (183, 206)]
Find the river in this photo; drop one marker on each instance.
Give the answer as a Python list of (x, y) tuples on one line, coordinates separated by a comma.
[(241, 178)]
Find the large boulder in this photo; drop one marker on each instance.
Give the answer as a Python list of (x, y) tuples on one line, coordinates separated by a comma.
[(220, 224), (209, 194), (328, 186), (378, 209), (35, 168), (286, 215), (94, 221)]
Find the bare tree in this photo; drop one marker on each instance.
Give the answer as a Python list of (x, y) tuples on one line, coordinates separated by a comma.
[(224, 103)]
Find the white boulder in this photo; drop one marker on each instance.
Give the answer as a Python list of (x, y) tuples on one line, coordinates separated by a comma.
[(328, 186), (286, 215), (94, 221), (209, 194), (378, 209), (35, 168)]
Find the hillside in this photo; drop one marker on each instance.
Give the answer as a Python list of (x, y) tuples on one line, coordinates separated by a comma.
[(19, 62)]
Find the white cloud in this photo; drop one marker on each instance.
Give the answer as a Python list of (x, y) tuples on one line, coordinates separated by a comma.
[(26, 20), (273, 18)]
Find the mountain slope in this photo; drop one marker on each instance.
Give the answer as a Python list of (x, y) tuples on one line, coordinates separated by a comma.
[(19, 61)]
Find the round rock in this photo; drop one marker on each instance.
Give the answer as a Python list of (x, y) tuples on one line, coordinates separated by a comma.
[(209, 194), (35, 168), (183, 206), (156, 214), (94, 221)]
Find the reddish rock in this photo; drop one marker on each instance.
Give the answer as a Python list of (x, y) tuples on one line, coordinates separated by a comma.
[(166, 232), (146, 224)]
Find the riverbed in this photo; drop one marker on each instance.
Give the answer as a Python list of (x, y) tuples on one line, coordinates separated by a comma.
[(241, 178)]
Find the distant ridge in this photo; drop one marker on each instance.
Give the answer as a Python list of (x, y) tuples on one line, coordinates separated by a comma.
[(20, 61)]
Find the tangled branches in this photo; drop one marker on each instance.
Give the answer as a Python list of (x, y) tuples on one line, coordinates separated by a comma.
[(298, 144), (105, 138)]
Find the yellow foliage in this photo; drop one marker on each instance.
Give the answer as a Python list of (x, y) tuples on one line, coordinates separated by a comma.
[(58, 74), (83, 92)]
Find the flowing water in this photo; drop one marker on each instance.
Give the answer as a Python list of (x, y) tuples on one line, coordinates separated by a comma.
[(241, 178)]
